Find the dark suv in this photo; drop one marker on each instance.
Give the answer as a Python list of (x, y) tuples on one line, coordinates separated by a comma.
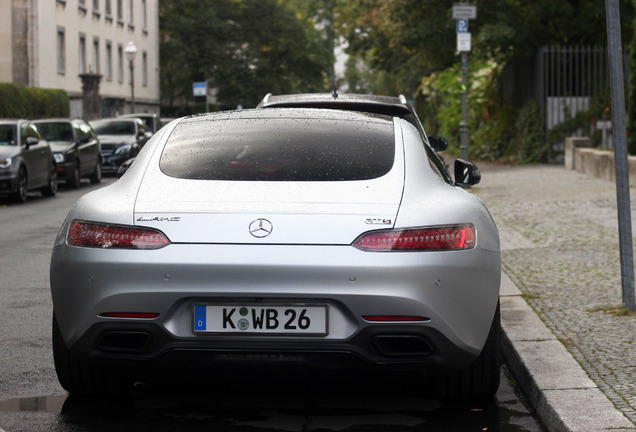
[(76, 148), (394, 106)]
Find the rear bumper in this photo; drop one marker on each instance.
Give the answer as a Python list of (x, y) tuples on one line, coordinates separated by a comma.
[(456, 291), (148, 350)]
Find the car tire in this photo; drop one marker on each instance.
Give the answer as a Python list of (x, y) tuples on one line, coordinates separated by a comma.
[(96, 177), (83, 377), (51, 188), (74, 181), (479, 380), (23, 184)]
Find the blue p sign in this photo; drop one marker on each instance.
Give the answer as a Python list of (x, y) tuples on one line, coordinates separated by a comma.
[(462, 26)]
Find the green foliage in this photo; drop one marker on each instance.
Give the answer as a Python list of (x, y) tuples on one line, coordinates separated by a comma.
[(405, 40), (19, 101), (243, 48), (13, 99), (498, 130)]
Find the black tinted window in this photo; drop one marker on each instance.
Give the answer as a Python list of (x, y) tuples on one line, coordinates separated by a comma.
[(57, 131), (280, 150)]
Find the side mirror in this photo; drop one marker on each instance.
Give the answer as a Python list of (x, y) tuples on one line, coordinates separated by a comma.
[(438, 143), (83, 139), (466, 173), (124, 167), (31, 141)]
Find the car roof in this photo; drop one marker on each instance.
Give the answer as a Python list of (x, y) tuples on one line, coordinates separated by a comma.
[(362, 102), (139, 115), (286, 113), (59, 120), (13, 121), (118, 119)]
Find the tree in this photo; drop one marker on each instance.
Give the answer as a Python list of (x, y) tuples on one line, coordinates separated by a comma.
[(243, 48), (416, 35)]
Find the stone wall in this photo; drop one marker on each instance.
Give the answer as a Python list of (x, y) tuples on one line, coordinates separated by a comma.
[(581, 157)]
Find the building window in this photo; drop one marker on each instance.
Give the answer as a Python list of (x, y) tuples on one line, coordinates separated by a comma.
[(131, 17), (144, 17), (95, 5), (120, 11), (82, 54), (108, 8), (61, 51), (109, 61), (144, 69), (120, 63), (96, 67)]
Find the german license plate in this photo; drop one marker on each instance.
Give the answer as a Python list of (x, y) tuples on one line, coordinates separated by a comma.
[(261, 319)]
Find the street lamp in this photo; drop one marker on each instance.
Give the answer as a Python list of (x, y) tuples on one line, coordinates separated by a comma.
[(131, 53)]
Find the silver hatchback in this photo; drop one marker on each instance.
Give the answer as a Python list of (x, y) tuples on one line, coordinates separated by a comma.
[(321, 236)]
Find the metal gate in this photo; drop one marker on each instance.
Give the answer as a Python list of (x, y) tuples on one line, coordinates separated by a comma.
[(569, 78)]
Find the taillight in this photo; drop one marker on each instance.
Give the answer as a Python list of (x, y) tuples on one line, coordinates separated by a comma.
[(99, 235), (418, 239)]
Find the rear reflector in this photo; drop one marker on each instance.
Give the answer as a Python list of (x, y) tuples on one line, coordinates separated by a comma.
[(418, 239), (98, 235), (143, 315), (394, 318)]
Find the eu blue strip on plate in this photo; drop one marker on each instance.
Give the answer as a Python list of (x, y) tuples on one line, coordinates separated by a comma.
[(199, 318)]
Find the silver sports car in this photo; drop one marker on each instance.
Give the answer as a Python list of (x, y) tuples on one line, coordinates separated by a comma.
[(325, 237)]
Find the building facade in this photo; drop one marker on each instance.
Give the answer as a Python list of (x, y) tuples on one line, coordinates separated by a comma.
[(63, 43)]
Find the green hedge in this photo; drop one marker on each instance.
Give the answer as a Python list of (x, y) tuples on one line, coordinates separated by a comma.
[(19, 101)]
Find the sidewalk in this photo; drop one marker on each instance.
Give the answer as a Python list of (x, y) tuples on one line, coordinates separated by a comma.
[(567, 344)]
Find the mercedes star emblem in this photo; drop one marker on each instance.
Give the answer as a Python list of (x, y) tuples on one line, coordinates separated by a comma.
[(261, 228)]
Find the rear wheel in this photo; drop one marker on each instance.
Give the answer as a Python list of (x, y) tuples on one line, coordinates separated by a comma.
[(81, 377), (479, 380), (51, 188)]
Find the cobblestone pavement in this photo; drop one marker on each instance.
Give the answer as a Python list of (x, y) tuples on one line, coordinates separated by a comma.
[(559, 238)]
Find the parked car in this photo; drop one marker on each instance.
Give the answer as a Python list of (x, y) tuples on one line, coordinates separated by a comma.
[(26, 161), (307, 235), (76, 149), (386, 105), (152, 121), (166, 120), (121, 139)]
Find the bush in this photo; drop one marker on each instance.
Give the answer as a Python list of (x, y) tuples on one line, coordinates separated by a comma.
[(19, 101)]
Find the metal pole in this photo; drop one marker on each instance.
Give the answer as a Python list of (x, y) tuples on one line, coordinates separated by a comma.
[(620, 152), (132, 87), (463, 125)]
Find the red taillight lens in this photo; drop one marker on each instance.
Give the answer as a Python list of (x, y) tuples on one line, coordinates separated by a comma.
[(98, 235), (418, 239)]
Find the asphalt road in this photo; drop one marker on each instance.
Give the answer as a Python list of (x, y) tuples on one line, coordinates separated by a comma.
[(32, 400)]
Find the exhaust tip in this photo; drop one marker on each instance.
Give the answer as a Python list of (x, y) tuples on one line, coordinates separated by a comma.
[(124, 341), (402, 345)]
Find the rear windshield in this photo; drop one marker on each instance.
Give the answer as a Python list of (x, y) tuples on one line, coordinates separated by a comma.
[(280, 150)]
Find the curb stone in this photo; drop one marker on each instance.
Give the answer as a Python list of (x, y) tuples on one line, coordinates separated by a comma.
[(558, 391)]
